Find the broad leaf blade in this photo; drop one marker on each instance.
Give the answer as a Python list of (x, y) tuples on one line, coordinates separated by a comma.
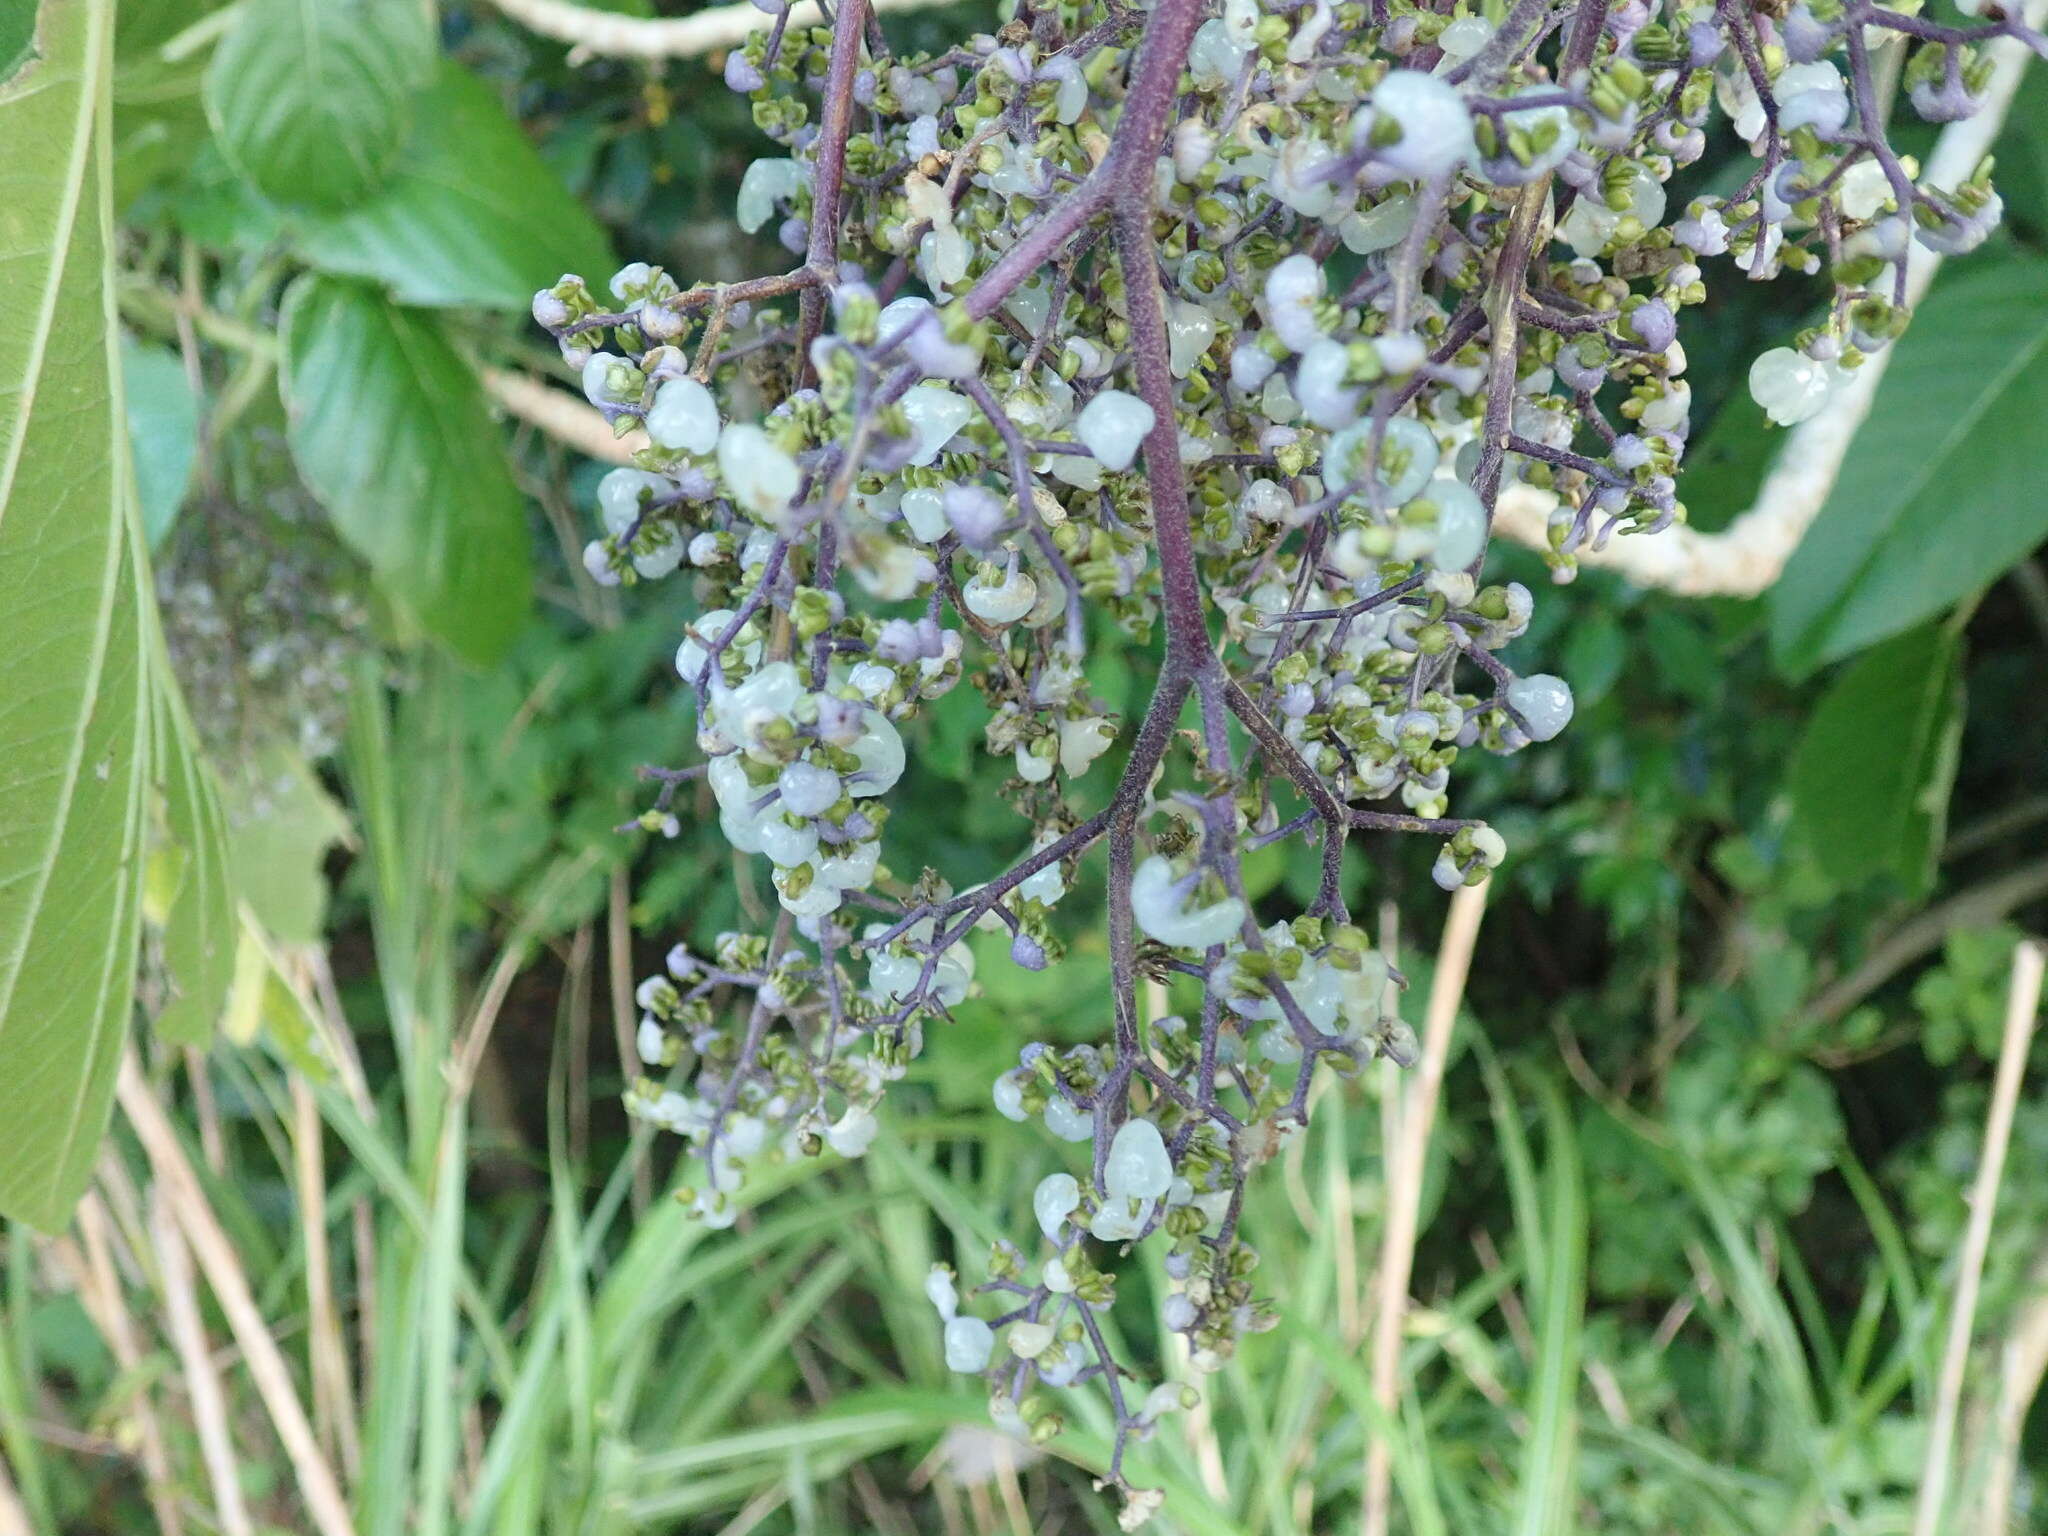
[(391, 430), (1941, 490), (17, 37), (277, 850), (312, 99), (73, 700), (1870, 779), (472, 216), (2022, 152)]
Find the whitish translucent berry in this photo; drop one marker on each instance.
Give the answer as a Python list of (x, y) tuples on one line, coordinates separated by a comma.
[(924, 342), (1009, 1097), (1416, 124), (766, 183), (1067, 1122), (969, 1343), (1460, 524), (807, 789), (935, 415), (1158, 901), (1028, 1340), (651, 1042), (1055, 1200), (1789, 385), (1293, 290), (684, 417), (1001, 601), (1543, 701), (1138, 1167), (853, 1132), (759, 476), (1112, 425), (597, 562)]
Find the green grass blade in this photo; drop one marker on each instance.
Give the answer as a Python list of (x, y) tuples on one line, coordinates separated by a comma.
[(788, 1317), (17, 1370), (571, 1292), (1406, 1437), (1549, 1478)]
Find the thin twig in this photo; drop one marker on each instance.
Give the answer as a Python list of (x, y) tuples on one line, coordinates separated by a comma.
[(13, 1513), (1995, 828), (334, 1410), (619, 973), (1926, 931), (318, 1488), (99, 1290), (562, 416), (195, 1365), (2022, 1007), (2022, 1362)]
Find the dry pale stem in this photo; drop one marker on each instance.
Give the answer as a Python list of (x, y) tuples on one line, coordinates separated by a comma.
[(99, 1291), (230, 1285), (1404, 1182), (210, 1420), (2022, 1008), (591, 33), (333, 1396)]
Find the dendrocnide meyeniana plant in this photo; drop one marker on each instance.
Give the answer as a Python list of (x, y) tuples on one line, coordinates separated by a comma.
[(1131, 400)]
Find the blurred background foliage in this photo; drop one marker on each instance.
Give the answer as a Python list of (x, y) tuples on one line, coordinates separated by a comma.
[(1693, 1205)]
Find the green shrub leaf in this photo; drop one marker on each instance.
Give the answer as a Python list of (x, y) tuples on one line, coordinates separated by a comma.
[(312, 99), (473, 215), (1870, 779), (1934, 500), (195, 912), (277, 849), (17, 37), (163, 430), (390, 429)]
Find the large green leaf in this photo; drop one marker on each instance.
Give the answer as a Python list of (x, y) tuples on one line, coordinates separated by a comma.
[(1942, 488), (2022, 152), (472, 216), (312, 99), (74, 699), (391, 430), (17, 35), (1870, 779)]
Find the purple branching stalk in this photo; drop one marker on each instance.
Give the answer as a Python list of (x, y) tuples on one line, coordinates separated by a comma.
[(1303, 506)]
